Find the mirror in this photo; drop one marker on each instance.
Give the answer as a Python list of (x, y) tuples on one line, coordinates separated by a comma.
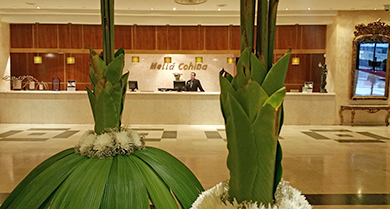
[(370, 64)]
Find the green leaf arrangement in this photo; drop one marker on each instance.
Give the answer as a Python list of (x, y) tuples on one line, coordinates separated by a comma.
[(251, 103), (130, 180)]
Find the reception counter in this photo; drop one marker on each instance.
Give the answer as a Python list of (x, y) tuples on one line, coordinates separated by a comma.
[(189, 108)]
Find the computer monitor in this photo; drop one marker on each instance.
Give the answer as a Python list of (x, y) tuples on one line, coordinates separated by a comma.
[(133, 85), (179, 85)]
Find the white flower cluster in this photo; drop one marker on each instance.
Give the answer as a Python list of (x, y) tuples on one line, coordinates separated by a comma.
[(109, 144), (286, 197)]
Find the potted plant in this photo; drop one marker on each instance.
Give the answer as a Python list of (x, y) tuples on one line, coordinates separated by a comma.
[(252, 106), (110, 167)]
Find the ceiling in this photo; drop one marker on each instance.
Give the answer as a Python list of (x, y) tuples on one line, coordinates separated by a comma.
[(162, 12)]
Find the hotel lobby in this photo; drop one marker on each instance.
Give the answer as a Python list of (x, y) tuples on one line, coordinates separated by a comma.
[(335, 143)]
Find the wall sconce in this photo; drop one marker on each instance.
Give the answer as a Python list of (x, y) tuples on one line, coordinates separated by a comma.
[(230, 60), (198, 59), (38, 60), (70, 60), (295, 61), (167, 59), (135, 59)]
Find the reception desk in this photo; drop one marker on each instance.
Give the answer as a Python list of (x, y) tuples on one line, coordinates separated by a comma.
[(189, 108)]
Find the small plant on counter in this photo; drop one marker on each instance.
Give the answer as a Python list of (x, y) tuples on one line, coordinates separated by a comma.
[(110, 167)]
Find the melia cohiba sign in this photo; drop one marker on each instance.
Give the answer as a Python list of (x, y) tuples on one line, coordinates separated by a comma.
[(181, 66)]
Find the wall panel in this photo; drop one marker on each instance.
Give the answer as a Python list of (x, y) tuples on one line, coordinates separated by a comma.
[(46, 36), (288, 36), (123, 36), (313, 37), (21, 35), (174, 39), (162, 37), (19, 64), (235, 42), (216, 37), (52, 66), (145, 37), (79, 71), (191, 38), (92, 36)]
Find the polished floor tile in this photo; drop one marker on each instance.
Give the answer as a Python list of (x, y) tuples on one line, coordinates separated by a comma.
[(339, 167)]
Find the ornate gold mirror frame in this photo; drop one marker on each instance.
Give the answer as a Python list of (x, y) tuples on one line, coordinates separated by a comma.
[(370, 61)]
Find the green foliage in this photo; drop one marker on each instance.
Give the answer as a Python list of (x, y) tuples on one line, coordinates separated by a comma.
[(68, 180), (108, 91), (251, 103)]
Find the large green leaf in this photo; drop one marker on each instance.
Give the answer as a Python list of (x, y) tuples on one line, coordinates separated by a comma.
[(276, 76), (265, 142), (276, 99), (158, 191), (116, 95), (243, 66), (85, 186), (258, 71), (251, 97), (114, 70), (41, 187), (92, 101), (124, 87), (226, 88), (278, 166), (175, 174), (98, 65), (119, 52), (242, 157), (125, 187), (34, 173), (92, 77), (105, 113)]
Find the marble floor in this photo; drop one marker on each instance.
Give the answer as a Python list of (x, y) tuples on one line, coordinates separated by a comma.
[(339, 167)]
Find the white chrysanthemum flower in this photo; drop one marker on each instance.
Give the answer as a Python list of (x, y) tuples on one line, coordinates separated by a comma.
[(103, 141), (286, 197), (110, 143), (86, 142)]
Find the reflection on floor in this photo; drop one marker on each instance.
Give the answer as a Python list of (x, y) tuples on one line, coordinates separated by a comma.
[(335, 166)]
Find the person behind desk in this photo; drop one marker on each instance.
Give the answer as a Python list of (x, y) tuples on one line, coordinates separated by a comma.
[(193, 84)]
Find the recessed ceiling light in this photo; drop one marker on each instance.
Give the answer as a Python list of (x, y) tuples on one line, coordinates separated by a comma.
[(60, 7), (375, 9), (38, 7), (219, 9), (84, 7), (31, 3), (15, 7), (286, 8), (151, 8), (196, 9), (308, 8), (174, 8)]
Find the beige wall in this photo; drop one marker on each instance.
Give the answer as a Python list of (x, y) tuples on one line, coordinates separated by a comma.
[(339, 59), (4, 55)]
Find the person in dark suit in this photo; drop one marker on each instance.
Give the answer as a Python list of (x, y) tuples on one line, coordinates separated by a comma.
[(193, 84)]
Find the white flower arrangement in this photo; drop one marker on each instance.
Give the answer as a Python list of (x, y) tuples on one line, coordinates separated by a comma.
[(286, 197), (109, 144)]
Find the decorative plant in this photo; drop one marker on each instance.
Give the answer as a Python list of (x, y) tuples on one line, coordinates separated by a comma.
[(251, 104), (110, 167)]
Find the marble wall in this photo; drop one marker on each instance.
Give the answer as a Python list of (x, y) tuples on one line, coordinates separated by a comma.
[(5, 68), (151, 72), (339, 59)]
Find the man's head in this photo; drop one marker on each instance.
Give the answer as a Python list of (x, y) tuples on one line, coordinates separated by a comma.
[(193, 74)]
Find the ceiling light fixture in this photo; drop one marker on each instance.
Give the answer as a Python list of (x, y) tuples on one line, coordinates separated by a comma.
[(219, 9), (60, 7), (308, 8), (37, 59), (38, 7), (15, 7), (174, 8), (190, 2), (286, 8), (84, 7), (151, 8)]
